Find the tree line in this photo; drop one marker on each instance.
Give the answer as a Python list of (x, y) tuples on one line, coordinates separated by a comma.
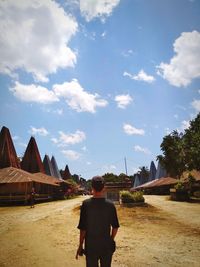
[(181, 151)]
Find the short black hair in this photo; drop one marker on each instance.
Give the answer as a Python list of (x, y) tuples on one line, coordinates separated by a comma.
[(98, 183)]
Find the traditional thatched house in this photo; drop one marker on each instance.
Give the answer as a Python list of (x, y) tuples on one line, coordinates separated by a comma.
[(158, 187), (16, 185), (66, 173)]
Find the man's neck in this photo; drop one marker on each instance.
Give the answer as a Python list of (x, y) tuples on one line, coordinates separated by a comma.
[(98, 194)]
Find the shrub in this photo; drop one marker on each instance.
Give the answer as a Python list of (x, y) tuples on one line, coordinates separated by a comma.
[(179, 186), (131, 197)]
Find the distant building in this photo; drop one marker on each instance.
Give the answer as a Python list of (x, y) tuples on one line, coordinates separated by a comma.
[(152, 172), (66, 173), (161, 172), (113, 189), (48, 166), (56, 172), (137, 180)]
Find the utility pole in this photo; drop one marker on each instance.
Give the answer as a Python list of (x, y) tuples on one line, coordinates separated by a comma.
[(125, 166)]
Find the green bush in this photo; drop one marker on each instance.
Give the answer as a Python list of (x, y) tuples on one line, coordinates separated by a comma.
[(179, 186), (131, 197)]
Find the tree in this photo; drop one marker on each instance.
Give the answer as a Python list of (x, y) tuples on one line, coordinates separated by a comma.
[(192, 144), (110, 177), (143, 174), (173, 158)]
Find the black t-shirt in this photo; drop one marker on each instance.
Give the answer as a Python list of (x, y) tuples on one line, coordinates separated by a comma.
[(96, 218)]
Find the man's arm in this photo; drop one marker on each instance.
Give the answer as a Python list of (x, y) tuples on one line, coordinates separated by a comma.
[(114, 232), (81, 240)]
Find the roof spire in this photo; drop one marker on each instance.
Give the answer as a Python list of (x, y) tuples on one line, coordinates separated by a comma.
[(8, 155), (31, 161)]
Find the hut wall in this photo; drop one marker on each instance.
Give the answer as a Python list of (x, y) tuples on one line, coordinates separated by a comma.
[(15, 188)]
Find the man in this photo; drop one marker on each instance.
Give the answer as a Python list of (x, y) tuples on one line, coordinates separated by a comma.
[(98, 226)]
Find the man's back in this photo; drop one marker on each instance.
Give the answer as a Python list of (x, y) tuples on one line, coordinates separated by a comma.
[(97, 217)]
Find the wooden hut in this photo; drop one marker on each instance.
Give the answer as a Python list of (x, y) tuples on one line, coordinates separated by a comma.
[(159, 186), (16, 185), (112, 189)]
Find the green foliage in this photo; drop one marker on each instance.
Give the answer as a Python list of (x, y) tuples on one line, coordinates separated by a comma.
[(110, 177), (173, 154), (179, 186), (192, 144), (181, 151), (131, 197)]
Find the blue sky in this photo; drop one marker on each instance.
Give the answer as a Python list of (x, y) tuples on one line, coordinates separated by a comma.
[(97, 81)]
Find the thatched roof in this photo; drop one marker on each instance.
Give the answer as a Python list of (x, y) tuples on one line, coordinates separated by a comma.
[(8, 156), (48, 168), (14, 175), (157, 183), (56, 172), (31, 161)]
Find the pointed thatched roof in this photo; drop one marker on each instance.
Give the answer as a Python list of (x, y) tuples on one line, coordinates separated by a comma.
[(56, 172), (8, 156), (152, 172), (31, 161), (48, 166), (66, 173)]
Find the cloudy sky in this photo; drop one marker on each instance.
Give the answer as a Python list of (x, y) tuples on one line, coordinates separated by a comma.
[(95, 81)]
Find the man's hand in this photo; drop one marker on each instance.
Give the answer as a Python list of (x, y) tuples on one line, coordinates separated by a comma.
[(79, 251)]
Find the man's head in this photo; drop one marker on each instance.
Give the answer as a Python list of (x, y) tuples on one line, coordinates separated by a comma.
[(98, 183)]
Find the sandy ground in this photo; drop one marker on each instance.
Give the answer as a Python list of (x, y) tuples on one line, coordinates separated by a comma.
[(163, 233)]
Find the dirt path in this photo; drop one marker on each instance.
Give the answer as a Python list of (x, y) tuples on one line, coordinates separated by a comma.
[(160, 234)]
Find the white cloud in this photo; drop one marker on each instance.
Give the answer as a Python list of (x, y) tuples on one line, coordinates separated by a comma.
[(123, 100), (54, 111), (34, 36), (91, 9), (141, 76), (54, 140), (72, 138), (185, 125), (33, 93), (40, 131), (69, 139), (131, 130), (196, 105), (71, 154), (184, 66), (142, 149), (127, 53), (77, 98)]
